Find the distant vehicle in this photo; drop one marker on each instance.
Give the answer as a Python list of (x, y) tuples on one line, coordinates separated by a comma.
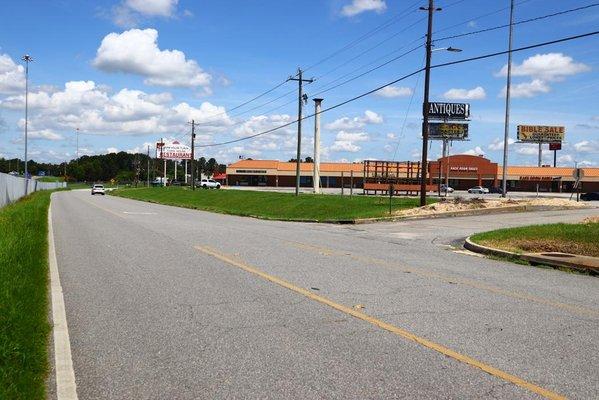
[(590, 196), (98, 189), (175, 183), (446, 189), (478, 189), (13, 173), (496, 189), (209, 184), (159, 181)]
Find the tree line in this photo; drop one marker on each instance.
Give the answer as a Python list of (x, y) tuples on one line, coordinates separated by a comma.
[(122, 167)]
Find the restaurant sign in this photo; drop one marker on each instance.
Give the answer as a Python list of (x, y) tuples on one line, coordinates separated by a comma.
[(541, 134), (443, 130), (174, 151), (460, 111)]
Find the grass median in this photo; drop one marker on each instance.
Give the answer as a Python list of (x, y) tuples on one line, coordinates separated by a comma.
[(24, 326), (578, 238), (269, 205)]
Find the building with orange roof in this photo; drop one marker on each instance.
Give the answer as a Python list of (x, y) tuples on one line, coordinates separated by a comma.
[(464, 171)]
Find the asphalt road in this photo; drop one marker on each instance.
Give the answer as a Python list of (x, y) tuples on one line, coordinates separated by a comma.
[(164, 302)]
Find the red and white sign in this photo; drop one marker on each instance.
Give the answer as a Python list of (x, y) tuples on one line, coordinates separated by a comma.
[(174, 151)]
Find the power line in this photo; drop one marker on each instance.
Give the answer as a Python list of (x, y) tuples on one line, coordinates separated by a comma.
[(520, 22), (484, 56), (368, 34), (478, 17)]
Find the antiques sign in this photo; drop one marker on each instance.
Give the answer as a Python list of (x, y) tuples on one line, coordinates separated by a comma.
[(459, 111)]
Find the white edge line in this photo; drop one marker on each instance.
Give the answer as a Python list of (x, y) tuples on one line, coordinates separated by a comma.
[(66, 388)]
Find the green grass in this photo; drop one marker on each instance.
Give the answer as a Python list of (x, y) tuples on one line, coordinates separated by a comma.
[(269, 205), (567, 238), (24, 327), (50, 179)]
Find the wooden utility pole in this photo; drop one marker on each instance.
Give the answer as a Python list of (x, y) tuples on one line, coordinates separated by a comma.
[(425, 109), (301, 99)]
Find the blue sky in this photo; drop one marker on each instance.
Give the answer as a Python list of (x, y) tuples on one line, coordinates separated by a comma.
[(128, 72)]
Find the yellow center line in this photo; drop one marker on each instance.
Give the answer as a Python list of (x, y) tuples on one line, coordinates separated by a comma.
[(105, 209), (446, 278), (384, 325)]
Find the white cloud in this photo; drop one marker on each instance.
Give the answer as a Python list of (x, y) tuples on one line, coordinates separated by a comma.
[(478, 93), (346, 123), (587, 146), (477, 151), (136, 52), (346, 141), (391, 136), (131, 12), (565, 159), (85, 105), (12, 75), (359, 6), (527, 89), (586, 163), (112, 150), (547, 67), (498, 144), (44, 134), (528, 149), (353, 137), (394, 91)]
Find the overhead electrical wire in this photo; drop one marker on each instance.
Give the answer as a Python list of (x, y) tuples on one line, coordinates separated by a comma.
[(462, 61), (519, 22)]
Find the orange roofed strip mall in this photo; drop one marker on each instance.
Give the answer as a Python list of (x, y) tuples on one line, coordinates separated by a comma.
[(465, 171)]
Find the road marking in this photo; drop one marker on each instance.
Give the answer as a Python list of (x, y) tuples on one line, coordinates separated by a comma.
[(139, 213), (580, 310), (384, 325), (105, 209), (66, 389)]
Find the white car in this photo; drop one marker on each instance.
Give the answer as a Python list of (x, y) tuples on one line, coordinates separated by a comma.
[(209, 184), (445, 188), (479, 190), (98, 189)]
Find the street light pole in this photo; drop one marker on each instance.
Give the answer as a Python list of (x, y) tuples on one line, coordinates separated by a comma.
[(425, 109), (506, 128), (27, 58)]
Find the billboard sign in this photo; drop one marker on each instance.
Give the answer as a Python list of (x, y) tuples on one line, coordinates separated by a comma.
[(460, 111), (174, 151), (540, 133), (451, 131), (555, 146)]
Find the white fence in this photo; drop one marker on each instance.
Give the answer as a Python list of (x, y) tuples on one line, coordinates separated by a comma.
[(12, 188)]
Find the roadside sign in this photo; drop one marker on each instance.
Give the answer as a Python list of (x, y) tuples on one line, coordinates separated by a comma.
[(443, 130), (541, 133), (555, 146), (460, 111), (175, 151), (578, 174)]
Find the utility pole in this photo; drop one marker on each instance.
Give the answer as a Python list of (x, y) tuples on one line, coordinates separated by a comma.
[(301, 99), (27, 58), (316, 174), (427, 77), (508, 88), (193, 139)]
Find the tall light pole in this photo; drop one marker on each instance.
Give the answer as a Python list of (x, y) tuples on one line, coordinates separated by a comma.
[(27, 58), (425, 109), (316, 161), (301, 98), (506, 128)]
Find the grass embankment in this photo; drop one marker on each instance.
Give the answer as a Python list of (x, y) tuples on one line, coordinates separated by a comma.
[(50, 179), (565, 238), (269, 205), (24, 327)]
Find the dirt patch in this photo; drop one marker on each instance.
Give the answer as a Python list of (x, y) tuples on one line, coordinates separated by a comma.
[(543, 246), (591, 220), (460, 204)]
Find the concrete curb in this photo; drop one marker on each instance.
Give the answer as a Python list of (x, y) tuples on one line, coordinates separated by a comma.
[(533, 258)]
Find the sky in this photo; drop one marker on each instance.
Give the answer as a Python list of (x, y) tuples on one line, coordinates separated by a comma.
[(126, 73)]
